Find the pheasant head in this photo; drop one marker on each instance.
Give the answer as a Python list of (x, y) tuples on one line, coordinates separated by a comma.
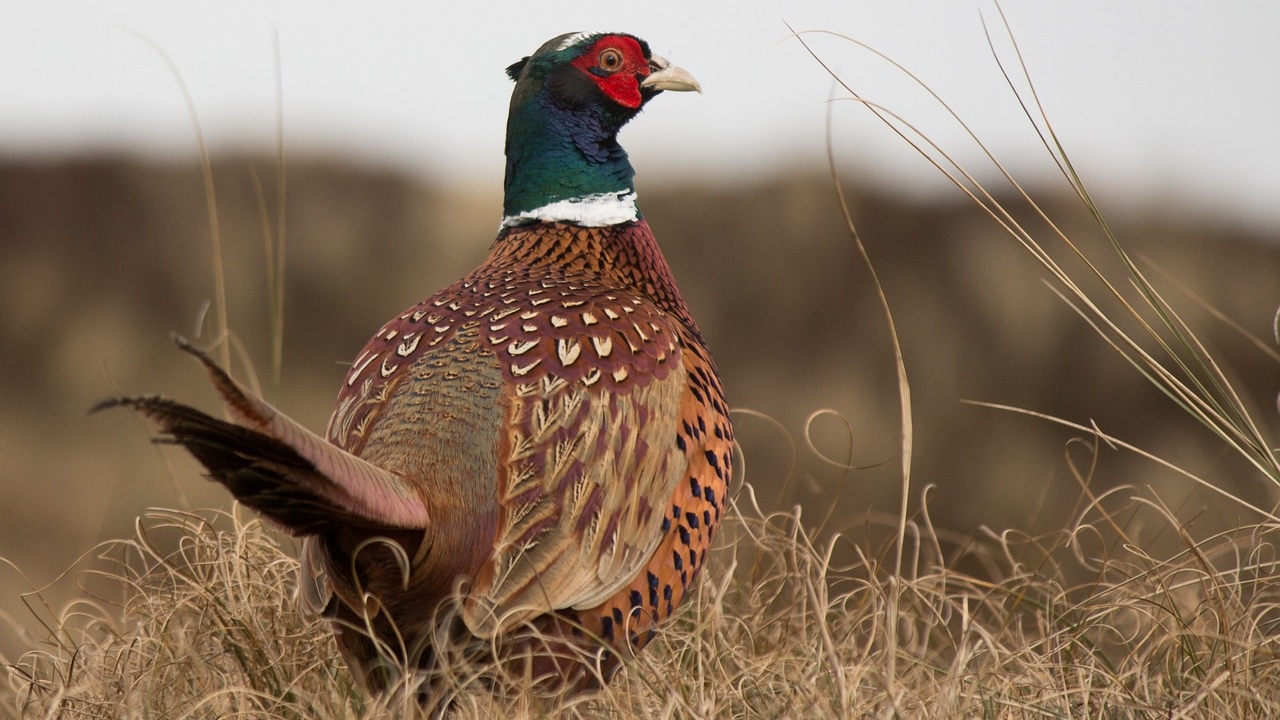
[(571, 98)]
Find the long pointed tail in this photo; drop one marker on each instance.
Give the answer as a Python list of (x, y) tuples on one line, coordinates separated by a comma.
[(278, 467)]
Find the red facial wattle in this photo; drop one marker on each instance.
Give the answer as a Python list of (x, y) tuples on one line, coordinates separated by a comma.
[(620, 84)]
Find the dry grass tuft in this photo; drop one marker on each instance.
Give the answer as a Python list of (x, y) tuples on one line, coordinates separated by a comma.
[(209, 628), (199, 621)]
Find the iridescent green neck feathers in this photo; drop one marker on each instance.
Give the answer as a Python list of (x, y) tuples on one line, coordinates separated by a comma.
[(563, 158)]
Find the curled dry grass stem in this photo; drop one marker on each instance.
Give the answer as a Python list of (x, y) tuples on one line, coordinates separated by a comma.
[(1178, 363), (211, 198), (274, 245), (1188, 374)]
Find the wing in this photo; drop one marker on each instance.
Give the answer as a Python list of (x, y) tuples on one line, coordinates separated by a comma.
[(588, 460)]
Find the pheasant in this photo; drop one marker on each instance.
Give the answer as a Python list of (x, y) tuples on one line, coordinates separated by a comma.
[(543, 445)]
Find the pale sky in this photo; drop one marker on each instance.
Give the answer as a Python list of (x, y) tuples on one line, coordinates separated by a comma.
[(1167, 100)]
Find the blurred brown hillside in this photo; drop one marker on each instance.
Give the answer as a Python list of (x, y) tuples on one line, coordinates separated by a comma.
[(100, 260)]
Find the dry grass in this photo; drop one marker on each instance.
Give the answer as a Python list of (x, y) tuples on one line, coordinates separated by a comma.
[(1128, 612), (775, 630)]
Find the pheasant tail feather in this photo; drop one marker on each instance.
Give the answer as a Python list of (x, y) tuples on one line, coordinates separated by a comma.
[(278, 467)]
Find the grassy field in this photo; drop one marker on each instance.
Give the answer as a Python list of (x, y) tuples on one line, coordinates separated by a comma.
[(774, 630), (1131, 608)]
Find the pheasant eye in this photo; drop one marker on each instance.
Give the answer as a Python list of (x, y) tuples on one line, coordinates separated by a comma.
[(610, 60)]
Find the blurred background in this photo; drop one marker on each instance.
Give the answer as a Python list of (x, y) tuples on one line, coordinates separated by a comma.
[(392, 121)]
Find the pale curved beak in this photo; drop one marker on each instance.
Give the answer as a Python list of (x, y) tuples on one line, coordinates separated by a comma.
[(665, 76)]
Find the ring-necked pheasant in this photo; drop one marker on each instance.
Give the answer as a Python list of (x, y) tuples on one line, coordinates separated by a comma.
[(543, 444)]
